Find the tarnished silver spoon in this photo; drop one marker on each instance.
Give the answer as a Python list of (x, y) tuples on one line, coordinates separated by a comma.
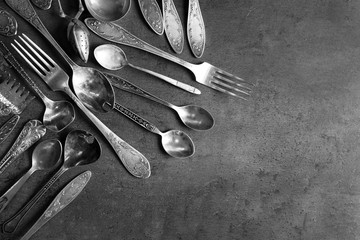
[(46, 155)]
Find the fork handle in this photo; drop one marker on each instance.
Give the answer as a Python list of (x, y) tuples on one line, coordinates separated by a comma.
[(132, 159)]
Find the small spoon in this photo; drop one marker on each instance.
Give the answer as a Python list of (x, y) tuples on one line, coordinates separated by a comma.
[(81, 148), (113, 57), (192, 116), (108, 10), (46, 155), (175, 142)]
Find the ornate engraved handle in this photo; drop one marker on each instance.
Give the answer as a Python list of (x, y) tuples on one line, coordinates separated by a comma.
[(8, 24), (8, 127), (173, 28), (64, 198), (30, 134), (196, 29), (132, 159), (152, 14), (42, 4), (136, 118)]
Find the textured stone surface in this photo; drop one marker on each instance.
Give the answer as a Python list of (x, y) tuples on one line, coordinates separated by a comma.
[(283, 165)]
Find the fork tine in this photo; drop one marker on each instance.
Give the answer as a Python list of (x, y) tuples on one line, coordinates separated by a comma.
[(216, 87), (222, 84), (230, 78)]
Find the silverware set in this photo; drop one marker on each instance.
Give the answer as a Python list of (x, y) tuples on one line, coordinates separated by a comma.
[(92, 91)]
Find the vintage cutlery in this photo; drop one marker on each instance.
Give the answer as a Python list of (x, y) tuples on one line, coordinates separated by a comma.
[(108, 10), (57, 79), (112, 57), (192, 116), (81, 148), (46, 155), (77, 33), (152, 13), (58, 114), (64, 198), (30, 134), (196, 29), (8, 24), (42, 4), (8, 127), (173, 27), (205, 73)]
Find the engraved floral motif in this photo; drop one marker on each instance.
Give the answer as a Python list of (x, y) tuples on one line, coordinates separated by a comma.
[(42, 4), (8, 24), (152, 15), (173, 27), (196, 29)]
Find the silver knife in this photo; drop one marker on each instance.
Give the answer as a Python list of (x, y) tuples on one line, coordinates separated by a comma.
[(152, 13), (64, 198), (8, 127), (173, 28), (196, 29)]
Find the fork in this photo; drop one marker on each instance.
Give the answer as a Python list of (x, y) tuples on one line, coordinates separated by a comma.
[(205, 73), (57, 79)]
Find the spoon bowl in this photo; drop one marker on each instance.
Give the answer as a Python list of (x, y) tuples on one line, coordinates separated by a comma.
[(108, 10), (46, 155), (177, 144), (195, 117), (58, 115)]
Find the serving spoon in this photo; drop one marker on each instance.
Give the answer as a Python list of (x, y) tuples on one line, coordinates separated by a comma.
[(108, 10), (81, 148), (113, 57), (46, 155), (194, 117)]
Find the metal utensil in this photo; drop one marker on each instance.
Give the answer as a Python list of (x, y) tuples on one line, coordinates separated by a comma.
[(112, 57), (58, 114), (196, 29), (30, 134), (8, 127), (42, 4), (192, 116), (8, 24), (175, 142), (46, 155), (205, 73), (57, 79), (173, 27), (64, 198), (108, 10), (80, 148), (152, 13)]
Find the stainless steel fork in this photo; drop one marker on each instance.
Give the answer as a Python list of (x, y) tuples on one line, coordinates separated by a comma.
[(57, 79)]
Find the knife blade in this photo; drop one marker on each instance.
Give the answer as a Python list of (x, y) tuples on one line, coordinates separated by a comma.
[(196, 29), (64, 198), (8, 127)]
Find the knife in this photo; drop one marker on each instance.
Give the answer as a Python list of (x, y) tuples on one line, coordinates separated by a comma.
[(195, 29), (8, 127), (173, 28), (64, 198), (151, 11)]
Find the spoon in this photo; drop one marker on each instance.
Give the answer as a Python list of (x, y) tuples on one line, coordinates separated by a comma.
[(81, 148), (108, 10), (45, 156), (192, 116), (58, 114), (113, 57), (175, 142)]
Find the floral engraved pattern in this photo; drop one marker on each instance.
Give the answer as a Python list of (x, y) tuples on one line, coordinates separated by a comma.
[(173, 28), (42, 4), (152, 14), (196, 29), (8, 24), (7, 128)]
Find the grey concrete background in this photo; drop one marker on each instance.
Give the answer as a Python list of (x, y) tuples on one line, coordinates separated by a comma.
[(283, 165)]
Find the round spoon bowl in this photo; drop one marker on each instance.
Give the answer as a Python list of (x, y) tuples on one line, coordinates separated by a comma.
[(58, 115), (108, 10), (110, 57), (177, 144), (81, 148), (46, 154), (196, 117)]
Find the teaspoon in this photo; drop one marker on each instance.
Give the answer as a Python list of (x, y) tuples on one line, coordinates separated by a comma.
[(192, 116), (81, 148), (46, 155), (108, 10)]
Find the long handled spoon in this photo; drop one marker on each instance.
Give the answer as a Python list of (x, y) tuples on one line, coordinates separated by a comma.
[(81, 148), (46, 155)]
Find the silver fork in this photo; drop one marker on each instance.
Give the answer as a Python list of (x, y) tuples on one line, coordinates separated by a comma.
[(205, 73), (57, 79)]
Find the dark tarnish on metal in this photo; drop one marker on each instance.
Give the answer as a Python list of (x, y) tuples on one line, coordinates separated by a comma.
[(42, 4), (8, 24)]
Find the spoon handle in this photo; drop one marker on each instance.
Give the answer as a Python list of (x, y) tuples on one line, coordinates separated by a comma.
[(30, 134), (152, 13), (12, 223), (10, 193), (64, 198), (8, 24), (173, 28), (196, 29), (8, 127), (132, 159), (136, 118)]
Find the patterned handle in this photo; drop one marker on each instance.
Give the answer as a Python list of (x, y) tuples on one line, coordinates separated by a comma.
[(42, 4), (8, 24), (152, 14), (8, 127), (30, 134), (173, 28), (196, 29)]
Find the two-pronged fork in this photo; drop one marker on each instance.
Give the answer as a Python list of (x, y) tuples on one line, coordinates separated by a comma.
[(205, 73)]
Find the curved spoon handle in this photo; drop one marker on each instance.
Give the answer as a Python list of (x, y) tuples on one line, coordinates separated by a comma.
[(115, 33), (8, 127), (30, 134), (42, 4), (152, 13), (9, 194), (64, 198), (8, 24), (11, 224), (196, 29), (173, 28), (132, 159), (27, 11), (136, 118)]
